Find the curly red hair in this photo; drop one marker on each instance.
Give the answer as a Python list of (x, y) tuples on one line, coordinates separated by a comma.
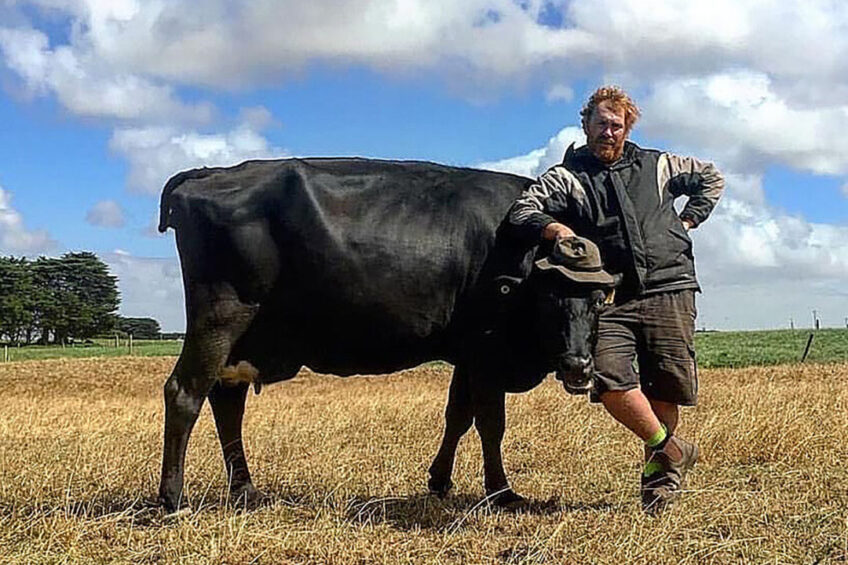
[(619, 99)]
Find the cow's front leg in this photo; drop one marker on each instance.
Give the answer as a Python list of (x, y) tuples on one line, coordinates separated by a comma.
[(228, 408), (458, 419), (490, 420)]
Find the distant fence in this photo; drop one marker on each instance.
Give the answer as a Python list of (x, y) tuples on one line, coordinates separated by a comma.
[(109, 347)]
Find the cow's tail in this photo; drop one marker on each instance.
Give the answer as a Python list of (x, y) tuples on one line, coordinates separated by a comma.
[(170, 186)]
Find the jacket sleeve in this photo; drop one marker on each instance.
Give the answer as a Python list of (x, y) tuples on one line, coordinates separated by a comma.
[(699, 180), (553, 193)]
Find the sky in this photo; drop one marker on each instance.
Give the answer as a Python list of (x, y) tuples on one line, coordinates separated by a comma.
[(101, 101)]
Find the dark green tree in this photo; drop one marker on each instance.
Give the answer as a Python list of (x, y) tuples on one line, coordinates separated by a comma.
[(50, 318), (17, 295), (77, 297), (141, 328)]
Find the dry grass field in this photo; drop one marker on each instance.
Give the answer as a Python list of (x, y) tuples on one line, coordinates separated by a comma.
[(344, 462)]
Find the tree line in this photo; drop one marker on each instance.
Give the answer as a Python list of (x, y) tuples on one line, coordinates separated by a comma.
[(58, 299)]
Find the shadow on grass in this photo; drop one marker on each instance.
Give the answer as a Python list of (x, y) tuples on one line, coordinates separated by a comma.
[(449, 514), (416, 511), (118, 507)]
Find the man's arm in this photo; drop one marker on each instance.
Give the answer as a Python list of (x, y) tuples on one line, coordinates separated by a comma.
[(553, 193), (699, 180)]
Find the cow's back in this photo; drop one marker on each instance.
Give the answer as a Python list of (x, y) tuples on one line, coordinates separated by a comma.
[(359, 266)]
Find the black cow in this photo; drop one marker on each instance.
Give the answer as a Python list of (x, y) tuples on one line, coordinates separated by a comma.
[(354, 266)]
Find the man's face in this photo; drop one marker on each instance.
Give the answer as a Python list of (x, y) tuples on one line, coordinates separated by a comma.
[(605, 132)]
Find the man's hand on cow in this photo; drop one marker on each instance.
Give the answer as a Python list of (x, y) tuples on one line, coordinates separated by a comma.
[(687, 225), (555, 230)]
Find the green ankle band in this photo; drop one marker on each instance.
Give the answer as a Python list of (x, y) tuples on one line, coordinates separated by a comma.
[(657, 438), (651, 467)]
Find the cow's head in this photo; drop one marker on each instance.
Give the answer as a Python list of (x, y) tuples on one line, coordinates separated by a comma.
[(570, 289)]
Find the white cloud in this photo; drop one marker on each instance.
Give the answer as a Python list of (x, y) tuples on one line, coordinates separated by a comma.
[(88, 86), (149, 287), (106, 214), (751, 82), (559, 92), (193, 42), (157, 153), (745, 242), (537, 161), (15, 238), (740, 118)]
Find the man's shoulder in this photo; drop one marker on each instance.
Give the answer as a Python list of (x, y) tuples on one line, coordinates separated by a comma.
[(576, 159), (659, 153), (561, 172), (638, 151)]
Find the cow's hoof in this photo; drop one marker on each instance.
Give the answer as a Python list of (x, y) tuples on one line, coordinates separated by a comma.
[(166, 504), (439, 487), (247, 496), (507, 500)]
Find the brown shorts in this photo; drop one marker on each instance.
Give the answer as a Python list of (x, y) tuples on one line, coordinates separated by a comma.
[(648, 342)]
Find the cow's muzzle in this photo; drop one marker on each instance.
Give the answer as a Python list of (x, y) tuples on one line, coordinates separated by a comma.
[(576, 374)]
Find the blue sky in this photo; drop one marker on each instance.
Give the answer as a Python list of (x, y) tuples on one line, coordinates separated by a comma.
[(101, 101)]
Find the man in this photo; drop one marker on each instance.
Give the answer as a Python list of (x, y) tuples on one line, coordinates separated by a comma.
[(621, 197)]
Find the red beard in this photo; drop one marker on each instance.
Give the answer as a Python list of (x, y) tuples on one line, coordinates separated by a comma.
[(605, 152)]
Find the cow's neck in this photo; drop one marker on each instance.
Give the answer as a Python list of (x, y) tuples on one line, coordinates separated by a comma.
[(522, 343)]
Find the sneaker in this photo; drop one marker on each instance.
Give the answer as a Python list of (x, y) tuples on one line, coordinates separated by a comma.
[(661, 488)]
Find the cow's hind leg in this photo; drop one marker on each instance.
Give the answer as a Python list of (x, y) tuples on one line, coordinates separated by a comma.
[(228, 408), (183, 401), (458, 419), (212, 331)]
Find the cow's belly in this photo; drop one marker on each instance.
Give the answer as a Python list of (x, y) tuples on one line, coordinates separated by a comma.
[(369, 350), (338, 341)]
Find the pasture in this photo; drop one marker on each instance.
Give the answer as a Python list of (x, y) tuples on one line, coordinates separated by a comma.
[(344, 464), (715, 349)]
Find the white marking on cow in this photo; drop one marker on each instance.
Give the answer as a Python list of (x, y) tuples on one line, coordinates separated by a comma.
[(242, 372)]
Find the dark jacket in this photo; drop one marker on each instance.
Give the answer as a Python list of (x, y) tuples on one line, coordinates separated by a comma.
[(627, 209)]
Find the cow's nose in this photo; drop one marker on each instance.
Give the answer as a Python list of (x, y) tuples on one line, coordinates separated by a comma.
[(577, 375), (581, 363)]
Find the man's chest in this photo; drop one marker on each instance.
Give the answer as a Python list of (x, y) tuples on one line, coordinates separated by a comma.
[(624, 189)]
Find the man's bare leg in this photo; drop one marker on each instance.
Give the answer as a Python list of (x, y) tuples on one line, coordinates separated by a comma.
[(666, 461), (633, 409), (645, 418)]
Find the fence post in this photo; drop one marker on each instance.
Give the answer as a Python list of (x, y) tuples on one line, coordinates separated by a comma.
[(5, 353), (807, 349), (131, 344)]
